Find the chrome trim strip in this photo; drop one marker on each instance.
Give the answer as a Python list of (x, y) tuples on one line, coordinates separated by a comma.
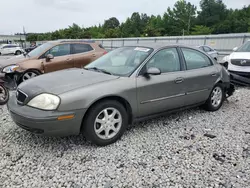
[(198, 91), (173, 96), (163, 98)]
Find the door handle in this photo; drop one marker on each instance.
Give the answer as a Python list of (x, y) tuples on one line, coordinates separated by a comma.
[(68, 60), (214, 74), (93, 55), (179, 80)]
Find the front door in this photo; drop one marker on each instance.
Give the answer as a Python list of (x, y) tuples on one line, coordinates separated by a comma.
[(158, 93), (200, 76), (62, 58)]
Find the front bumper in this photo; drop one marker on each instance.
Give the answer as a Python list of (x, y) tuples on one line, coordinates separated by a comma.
[(241, 78), (45, 122)]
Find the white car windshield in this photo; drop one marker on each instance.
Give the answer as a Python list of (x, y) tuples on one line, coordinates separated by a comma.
[(40, 49), (245, 47), (122, 61)]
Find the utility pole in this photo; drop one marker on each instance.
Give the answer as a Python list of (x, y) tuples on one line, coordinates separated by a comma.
[(189, 19), (24, 32)]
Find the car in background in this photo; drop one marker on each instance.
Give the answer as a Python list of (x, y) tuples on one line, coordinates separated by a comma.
[(213, 53), (53, 56), (6, 49), (29, 49), (238, 64), (126, 85)]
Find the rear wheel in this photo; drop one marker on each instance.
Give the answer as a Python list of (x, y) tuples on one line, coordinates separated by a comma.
[(216, 98), (105, 122), (18, 52), (4, 95)]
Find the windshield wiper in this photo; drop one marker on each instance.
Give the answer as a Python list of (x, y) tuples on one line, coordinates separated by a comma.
[(99, 70)]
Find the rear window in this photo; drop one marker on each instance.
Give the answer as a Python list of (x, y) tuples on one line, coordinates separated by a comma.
[(81, 48)]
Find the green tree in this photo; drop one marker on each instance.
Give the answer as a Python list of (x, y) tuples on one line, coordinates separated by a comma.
[(201, 30), (212, 12), (181, 18), (111, 23)]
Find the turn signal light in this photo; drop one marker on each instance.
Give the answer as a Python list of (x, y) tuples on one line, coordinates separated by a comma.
[(60, 118)]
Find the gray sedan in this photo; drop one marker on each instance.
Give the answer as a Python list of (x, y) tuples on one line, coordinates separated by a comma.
[(125, 85)]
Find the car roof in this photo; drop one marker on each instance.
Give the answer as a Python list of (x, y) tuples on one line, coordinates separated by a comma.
[(72, 41), (156, 46)]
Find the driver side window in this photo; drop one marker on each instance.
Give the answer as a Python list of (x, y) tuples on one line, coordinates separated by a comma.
[(167, 60), (59, 50)]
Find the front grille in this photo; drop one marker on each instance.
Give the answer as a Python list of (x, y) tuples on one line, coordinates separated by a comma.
[(21, 96), (241, 62)]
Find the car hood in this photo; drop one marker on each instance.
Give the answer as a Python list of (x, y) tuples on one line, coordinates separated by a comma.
[(12, 60), (240, 55), (63, 81)]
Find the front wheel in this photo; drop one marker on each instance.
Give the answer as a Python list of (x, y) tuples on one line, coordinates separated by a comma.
[(18, 52), (216, 98), (4, 95), (105, 122), (28, 75)]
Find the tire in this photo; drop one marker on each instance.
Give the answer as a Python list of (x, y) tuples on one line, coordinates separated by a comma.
[(211, 104), (91, 127), (18, 52), (4, 95), (28, 75)]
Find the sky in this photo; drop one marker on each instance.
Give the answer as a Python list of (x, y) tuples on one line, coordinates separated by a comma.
[(50, 15)]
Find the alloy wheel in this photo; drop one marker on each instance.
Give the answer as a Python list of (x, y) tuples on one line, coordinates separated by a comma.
[(217, 96), (28, 75), (108, 123), (3, 93)]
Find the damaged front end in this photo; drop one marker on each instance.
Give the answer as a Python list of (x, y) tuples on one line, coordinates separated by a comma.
[(240, 78)]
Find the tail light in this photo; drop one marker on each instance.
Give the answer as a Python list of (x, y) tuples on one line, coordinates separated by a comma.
[(105, 52)]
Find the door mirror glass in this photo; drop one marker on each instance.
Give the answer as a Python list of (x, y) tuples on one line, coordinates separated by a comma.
[(153, 71), (49, 57), (235, 49)]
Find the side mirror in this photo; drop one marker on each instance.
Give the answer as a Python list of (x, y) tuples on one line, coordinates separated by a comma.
[(235, 49), (49, 57), (153, 71)]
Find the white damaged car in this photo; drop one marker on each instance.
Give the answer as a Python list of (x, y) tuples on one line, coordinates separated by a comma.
[(238, 64)]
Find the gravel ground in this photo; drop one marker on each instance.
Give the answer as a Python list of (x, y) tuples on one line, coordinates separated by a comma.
[(192, 148)]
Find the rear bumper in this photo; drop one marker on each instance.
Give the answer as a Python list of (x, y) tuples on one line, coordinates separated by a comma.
[(242, 78), (230, 89)]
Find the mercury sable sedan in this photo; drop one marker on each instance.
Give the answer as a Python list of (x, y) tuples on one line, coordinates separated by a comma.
[(125, 85)]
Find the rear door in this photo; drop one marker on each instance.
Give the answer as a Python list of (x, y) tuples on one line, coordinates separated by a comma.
[(62, 58), (158, 93), (200, 76), (83, 54)]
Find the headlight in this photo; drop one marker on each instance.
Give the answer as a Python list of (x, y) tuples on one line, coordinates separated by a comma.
[(226, 59), (10, 69), (45, 102)]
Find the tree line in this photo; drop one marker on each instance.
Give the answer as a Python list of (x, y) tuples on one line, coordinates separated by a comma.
[(183, 19)]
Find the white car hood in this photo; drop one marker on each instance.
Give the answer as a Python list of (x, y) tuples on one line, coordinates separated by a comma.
[(238, 55)]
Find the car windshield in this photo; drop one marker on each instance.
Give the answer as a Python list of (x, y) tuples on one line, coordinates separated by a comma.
[(245, 47), (40, 49), (122, 61)]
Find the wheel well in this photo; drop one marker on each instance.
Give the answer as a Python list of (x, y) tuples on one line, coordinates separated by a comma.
[(121, 100)]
